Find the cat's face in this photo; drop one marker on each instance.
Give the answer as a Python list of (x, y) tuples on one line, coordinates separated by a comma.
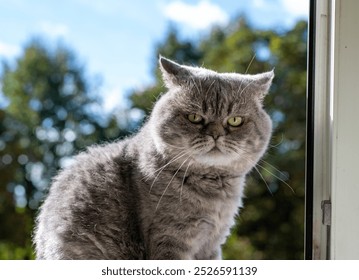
[(212, 119)]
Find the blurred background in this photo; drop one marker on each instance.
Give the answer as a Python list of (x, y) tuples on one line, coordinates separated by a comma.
[(79, 72)]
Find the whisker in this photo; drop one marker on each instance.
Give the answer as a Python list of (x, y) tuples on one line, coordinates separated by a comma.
[(176, 147), (194, 82), (275, 168), (272, 166), (246, 87), (284, 182), (146, 177), (280, 142), (163, 167), (184, 177), (250, 63), (261, 166), (178, 156), (234, 149), (246, 151), (198, 141), (210, 87), (265, 182), (171, 181)]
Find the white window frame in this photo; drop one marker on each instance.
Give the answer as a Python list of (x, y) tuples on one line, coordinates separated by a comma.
[(332, 207)]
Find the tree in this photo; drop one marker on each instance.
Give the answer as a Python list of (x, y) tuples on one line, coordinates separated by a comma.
[(180, 51), (52, 113), (271, 225)]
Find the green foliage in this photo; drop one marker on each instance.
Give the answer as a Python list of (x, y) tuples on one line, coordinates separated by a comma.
[(180, 51), (271, 224)]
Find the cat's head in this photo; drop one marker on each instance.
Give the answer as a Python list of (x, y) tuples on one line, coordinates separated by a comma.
[(212, 119)]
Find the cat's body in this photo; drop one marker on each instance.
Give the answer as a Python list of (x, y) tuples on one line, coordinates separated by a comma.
[(172, 190)]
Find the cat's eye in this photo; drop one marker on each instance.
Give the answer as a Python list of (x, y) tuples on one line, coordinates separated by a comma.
[(235, 121), (194, 118)]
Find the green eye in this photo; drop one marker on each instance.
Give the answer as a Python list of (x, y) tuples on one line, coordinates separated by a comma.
[(194, 118), (235, 121)]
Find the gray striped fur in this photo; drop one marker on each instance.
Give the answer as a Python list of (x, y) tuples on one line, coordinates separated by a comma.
[(165, 192)]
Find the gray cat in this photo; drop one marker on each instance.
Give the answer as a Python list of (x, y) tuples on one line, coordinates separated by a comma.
[(172, 190)]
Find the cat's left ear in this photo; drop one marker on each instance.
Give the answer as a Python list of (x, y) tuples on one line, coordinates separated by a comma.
[(261, 83), (173, 73)]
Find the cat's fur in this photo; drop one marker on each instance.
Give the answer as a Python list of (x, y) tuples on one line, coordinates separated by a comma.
[(172, 190)]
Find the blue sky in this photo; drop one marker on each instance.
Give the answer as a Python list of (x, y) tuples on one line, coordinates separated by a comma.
[(115, 39)]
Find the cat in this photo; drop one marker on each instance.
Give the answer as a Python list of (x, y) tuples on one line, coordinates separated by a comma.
[(172, 190)]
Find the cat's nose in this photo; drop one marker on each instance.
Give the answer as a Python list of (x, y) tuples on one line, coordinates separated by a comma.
[(215, 130)]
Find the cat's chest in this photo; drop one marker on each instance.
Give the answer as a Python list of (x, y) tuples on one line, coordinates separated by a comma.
[(215, 214), (214, 186), (216, 199), (208, 200)]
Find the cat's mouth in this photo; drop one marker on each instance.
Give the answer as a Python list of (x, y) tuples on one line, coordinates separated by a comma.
[(215, 150)]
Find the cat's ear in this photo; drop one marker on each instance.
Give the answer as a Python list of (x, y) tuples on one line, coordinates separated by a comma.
[(261, 83), (172, 72)]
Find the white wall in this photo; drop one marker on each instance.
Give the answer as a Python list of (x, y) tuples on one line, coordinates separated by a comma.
[(345, 131)]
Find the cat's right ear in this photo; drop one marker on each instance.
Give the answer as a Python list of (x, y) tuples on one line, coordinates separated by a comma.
[(172, 72)]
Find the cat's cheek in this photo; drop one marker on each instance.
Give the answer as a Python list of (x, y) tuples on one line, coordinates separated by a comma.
[(177, 135)]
